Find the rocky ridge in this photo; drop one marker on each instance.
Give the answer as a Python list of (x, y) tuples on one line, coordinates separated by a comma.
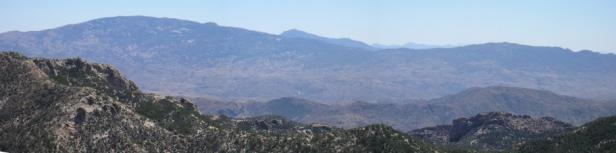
[(596, 136), (73, 106), (493, 131)]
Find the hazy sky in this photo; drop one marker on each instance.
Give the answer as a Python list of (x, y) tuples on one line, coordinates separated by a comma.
[(575, 24)]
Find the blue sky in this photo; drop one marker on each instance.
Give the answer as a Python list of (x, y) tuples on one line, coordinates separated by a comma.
[(575, 24)]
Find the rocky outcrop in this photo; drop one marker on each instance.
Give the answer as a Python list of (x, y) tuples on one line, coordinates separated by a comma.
[(73, 106), (493, 131), (597, 136)]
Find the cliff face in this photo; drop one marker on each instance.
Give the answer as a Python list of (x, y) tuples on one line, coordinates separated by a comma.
[(494, 131), (73, 106)]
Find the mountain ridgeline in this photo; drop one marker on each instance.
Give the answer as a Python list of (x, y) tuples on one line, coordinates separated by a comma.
[(418, 114), (179, 57), (294, 33), (73, 106)]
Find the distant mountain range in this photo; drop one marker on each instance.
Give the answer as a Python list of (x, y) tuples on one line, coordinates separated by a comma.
[(420, 114), (179, 57), (235, 77), (411, 45), (295, 33)]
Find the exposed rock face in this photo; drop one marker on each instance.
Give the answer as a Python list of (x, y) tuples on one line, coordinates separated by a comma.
[(72, 106), (493, 131)]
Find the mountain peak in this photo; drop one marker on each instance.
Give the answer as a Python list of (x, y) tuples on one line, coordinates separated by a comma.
[(296, 33), (499, 44), (138, 19), (133, 24)]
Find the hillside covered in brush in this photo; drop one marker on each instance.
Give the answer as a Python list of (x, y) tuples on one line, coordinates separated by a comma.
[(73, 106), (596, 136)]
